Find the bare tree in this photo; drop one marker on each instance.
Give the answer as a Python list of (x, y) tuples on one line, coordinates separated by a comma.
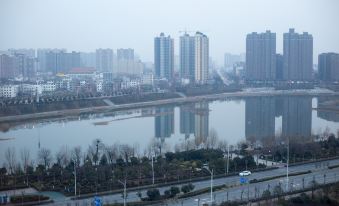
[(223, 145), (91, 153), (112, 153), (198, 141), (45, 157), (212, 140), (77, 155), (136, 150), (177, 147), (126, 152), (26, 161), (25, 158), (98, 147), (63, 156), (326, 132), (152, 148), (11, 159)]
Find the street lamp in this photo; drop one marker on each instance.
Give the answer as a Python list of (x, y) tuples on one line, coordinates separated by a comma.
[(228, 157), (152, 155), (287, 161), (124, 184), (75, 180), (211, 172)]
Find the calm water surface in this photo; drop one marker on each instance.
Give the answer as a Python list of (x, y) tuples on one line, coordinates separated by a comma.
[(233, 120)]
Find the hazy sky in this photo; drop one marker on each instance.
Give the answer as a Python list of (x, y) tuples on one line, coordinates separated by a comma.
[(90, 24)]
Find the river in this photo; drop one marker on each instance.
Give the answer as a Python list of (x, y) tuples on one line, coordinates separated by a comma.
[(233, 120)]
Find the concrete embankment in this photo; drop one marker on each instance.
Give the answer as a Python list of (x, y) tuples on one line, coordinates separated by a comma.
[(70, 112)]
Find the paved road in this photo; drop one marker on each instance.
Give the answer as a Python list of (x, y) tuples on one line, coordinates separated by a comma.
[(317, 169), (251, 191)]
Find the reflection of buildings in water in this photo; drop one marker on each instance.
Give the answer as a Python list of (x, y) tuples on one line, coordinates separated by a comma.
[(297, 116), (201, 121), (279, 106), (164, 122), (260, 117), (328, 108), (186, 120)]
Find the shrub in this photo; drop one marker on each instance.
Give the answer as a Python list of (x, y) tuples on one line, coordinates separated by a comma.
[(27, 198), (187, 188), (174, 191), (266, 194), (153, 194), (167, 193)]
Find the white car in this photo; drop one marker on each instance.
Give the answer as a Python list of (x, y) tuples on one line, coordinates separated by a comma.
[(245, 173)]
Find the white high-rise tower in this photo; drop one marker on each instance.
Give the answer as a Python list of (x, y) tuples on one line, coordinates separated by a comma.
[(201, 58)]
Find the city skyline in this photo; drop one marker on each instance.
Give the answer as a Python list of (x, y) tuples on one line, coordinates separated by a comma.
[(36, 32)]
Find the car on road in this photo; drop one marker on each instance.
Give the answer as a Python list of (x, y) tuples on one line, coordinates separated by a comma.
[(245, 173)]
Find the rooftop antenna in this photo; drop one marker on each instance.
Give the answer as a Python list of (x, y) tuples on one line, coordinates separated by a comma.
[(185, 31)]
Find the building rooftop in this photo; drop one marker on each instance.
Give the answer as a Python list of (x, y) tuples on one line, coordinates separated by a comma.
[(82, 70)]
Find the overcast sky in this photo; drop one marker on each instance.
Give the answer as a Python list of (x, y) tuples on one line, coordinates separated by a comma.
[(89, 24)]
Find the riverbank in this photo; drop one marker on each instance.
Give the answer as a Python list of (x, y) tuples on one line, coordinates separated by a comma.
[(176, 100)]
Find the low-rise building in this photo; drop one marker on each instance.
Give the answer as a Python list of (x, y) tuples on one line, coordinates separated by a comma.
[(130, 83), (82, 73), (48, 86), (147, 79), (31, 89), (99, 86), (9, 91)]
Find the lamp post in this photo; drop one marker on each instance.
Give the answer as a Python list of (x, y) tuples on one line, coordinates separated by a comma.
[(211, 172), (75, 180), (124, 184), (228, 157), (287, 161), (152, 170)]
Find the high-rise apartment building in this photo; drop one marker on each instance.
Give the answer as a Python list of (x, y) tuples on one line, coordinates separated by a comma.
[(25, 63), (24, 66), (298, 56), (45, 65), (231, 59), (279, 67), (7, 66), (88, 59), (164, 56), (127, 63), (27, 52), (201, 53), (328, 67), (187, 57), (194, 57), (125, 54), (104, 60), (260, 56), (62, 62)]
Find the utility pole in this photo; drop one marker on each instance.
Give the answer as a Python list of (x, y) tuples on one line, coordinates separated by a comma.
[(75, 180), (228, 157), (124, 184), (211, 172), (152, 171), (211, 186), (287, 161)]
